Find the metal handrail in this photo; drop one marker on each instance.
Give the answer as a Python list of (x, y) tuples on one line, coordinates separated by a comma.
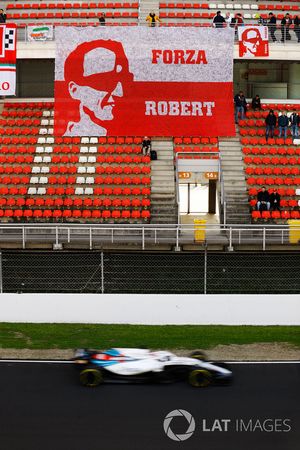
[(143, 234)]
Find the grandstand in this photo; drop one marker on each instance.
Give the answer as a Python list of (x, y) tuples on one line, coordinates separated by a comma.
[(107, 181)]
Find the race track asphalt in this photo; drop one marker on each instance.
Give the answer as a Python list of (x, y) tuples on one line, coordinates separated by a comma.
[(42, 407)]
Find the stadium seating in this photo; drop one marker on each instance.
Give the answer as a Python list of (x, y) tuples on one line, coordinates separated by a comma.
[(68, 178), (201, 14), (71, 13), (274, 164), (196, 147)]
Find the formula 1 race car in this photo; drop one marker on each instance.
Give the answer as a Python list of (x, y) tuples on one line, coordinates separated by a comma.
[(134, 365)]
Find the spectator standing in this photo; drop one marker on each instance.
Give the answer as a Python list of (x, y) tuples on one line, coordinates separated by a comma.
[(297, 27), (146, 145), (261, 21), (256, 103), (239, 22), (152, 18), (240, 105), (275, 200), (285, 28), (228, 19), (263, 200), (295, 122), (283, 123), (271, 121), (102, 19), (272, 26), (2, 16), (218, 20)]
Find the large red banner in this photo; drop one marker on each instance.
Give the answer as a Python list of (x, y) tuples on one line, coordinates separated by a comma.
[(162, 82)]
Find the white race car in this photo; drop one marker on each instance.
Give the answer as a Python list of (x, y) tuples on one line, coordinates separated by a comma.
[(135, 365)]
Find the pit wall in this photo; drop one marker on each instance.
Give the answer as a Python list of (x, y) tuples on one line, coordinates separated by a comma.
[(151, 309)]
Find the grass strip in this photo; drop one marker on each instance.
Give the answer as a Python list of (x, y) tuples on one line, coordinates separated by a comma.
[(62, 336)]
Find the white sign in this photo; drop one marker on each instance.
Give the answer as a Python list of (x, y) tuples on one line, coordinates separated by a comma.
[(40, 33)]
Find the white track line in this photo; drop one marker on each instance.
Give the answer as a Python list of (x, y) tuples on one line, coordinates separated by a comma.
[(44, 361)]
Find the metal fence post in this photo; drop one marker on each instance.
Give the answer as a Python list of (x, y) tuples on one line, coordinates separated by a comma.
[(1, 276), (23, 238), (91, 239), (102, 273), (264, 238), (205, 271)]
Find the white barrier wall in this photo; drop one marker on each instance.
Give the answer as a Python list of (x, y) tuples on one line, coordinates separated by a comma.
[(151, 309)]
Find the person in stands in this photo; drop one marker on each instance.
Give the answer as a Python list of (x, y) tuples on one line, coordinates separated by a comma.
[(152, 19), (240, 106), (239, 22), (297, 27), (275, 200), (271, 121), (295, 122), (283, 123), (256, 105), (263, 200), (285, 28), (218, 20), (2, 16), (146, 145), (102, 19), (272, 26)]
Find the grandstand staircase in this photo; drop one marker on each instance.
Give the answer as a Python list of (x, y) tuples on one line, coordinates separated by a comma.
[(163, 192), (235, 188), (146, 7)]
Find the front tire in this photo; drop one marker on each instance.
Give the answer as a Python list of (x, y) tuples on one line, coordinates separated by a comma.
[(199, 378), (198, 354), (91, 377)]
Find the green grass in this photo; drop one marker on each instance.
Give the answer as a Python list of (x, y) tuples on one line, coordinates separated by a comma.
[(45, 336)]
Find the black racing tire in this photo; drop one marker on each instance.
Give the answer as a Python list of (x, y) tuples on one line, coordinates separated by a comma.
[(91, 377), (198, 354), (199, 378)]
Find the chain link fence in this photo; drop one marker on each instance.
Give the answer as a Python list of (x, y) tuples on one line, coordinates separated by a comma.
[(147, 273)]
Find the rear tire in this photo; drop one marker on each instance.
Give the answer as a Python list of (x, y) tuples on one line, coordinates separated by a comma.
[(200, 378), (91, 377), (198, 354)]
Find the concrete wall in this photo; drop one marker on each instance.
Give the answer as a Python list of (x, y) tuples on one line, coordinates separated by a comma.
[(151, 309)]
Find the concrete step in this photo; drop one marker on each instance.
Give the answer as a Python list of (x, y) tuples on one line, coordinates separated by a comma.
[(162, 165), (230, 163), (232, 175), (170, 189), (164, 196), (162, 179)]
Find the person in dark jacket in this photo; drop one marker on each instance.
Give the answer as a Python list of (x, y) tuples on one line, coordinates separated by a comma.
[(240, 106), (283, 122), (256, 103), (295, 122), (271, 122), (102, 19), (263, 200), (285, 28), (272, 26), (218, 20), (146, 145), (2, 16), (297, 27), (275, 200)]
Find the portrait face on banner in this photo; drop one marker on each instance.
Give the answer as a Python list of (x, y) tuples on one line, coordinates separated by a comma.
[(96, 73), (253, 41), (111, 82)]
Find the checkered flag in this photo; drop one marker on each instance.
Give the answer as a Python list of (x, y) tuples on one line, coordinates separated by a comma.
[(9, 40)]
